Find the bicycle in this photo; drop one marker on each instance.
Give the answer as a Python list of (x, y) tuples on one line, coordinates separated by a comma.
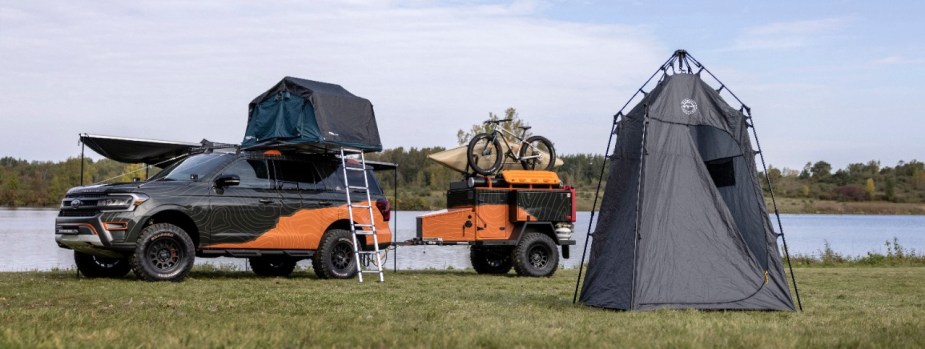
[(484, 152)]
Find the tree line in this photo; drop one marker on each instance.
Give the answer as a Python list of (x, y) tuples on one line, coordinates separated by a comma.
[(903, 183), (422, 183)]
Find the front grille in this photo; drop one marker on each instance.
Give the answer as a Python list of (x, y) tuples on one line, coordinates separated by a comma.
[(78, 213)]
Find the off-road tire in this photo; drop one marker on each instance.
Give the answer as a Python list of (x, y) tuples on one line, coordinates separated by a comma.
[(272, 266), (491, 260), (334, 258), (530, 164), (164, 252), (101, 267), (536, 255), (473, 155)]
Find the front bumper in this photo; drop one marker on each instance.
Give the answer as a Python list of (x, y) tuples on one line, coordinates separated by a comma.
[(94, 235)]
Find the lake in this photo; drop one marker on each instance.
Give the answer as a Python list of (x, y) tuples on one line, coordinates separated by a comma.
[(28, 240)]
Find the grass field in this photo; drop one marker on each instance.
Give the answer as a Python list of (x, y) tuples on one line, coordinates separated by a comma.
[(845, 307)]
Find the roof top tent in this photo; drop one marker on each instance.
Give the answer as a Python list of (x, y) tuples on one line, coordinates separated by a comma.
[(311, 116), (683, 223)]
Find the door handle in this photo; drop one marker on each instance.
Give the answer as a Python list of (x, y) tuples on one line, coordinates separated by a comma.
[(266, 201)]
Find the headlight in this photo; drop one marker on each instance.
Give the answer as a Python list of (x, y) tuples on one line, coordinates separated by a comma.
[(121, 202)]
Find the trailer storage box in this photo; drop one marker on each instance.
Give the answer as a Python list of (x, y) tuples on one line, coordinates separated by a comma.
[(542, 205)]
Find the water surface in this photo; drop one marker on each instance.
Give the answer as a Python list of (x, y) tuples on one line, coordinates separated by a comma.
[(28, 240)]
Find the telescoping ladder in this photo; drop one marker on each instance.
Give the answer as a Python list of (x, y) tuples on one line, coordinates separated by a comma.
[(371, 253)]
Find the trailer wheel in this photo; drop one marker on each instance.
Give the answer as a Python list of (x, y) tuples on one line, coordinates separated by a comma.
[(334, 258), (491, 260), (536, 255)]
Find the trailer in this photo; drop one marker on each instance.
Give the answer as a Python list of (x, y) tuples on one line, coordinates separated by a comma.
[(519, 219)]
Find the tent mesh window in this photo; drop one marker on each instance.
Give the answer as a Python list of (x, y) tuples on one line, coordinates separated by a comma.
[(722, 172)]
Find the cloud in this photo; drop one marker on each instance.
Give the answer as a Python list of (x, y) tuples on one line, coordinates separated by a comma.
[(184, 71), (788, 35)]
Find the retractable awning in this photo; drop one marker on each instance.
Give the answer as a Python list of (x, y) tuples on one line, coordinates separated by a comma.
[(138, 150)]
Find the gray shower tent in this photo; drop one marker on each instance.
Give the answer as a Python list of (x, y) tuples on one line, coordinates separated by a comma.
[(683, 223)]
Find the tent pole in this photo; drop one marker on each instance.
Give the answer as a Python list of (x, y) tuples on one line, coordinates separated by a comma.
[(663, 68), (780, 226), (639, 185), (395, 220), (584, 251)]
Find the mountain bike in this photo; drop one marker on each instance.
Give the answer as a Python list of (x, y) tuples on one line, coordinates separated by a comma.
[(485, 155)]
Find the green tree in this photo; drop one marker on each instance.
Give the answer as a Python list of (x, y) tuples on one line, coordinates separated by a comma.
[(11, 191), (774, 174), (463, 137), (889, 190), (807, 169), (821, 170)]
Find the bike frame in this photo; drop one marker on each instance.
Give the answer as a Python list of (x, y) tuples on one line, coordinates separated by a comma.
[(497, 130)]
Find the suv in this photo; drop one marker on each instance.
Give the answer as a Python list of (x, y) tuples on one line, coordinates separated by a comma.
[(271, 208)]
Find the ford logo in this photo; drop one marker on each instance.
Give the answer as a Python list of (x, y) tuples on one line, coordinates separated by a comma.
[(76, 203)]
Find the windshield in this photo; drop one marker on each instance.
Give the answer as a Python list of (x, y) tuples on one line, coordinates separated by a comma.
[(201, 165)]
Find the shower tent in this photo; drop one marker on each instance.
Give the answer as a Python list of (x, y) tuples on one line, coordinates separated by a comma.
[(683, 223)]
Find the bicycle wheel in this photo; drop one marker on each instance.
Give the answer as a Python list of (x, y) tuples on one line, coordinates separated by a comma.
[(538, 153), (484, 154)]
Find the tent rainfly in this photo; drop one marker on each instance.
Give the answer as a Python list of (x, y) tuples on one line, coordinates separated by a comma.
[(311, 116), (683, 223)]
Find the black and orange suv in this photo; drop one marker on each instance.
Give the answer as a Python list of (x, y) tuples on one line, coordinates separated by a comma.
[(274, 209)]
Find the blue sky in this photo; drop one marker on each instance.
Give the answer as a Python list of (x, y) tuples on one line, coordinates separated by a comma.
[(831, 80)]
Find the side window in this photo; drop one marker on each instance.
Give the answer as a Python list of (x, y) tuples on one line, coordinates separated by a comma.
[(332, 176), (296, 174), (356, 179), (253, 173)]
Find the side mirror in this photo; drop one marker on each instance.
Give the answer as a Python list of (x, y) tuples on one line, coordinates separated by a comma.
[(227, 181)]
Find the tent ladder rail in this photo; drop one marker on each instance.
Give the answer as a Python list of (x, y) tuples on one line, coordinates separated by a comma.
[(369, 252)]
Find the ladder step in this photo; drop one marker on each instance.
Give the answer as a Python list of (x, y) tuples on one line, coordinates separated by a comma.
[(363, 225), (360, 206), (357, 187), (358, 169), (372, 271), (365, 232), (367, 252)]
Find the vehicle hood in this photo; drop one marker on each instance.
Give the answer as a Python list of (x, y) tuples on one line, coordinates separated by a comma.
[(134, 187)]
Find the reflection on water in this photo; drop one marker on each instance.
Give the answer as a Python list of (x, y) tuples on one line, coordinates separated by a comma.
[(28, 242)]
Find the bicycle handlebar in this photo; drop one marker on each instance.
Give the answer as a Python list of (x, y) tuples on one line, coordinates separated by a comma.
[(497, 121)]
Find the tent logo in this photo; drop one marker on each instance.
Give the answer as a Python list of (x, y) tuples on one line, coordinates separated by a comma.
[(688, 106)]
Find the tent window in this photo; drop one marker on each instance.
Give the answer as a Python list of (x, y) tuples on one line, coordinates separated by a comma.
[(722, 172)]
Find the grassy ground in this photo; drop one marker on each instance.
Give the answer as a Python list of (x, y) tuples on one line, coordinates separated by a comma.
[(845, 307)]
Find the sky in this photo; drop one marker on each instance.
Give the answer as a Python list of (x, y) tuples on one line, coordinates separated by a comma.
[(826, 80)]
